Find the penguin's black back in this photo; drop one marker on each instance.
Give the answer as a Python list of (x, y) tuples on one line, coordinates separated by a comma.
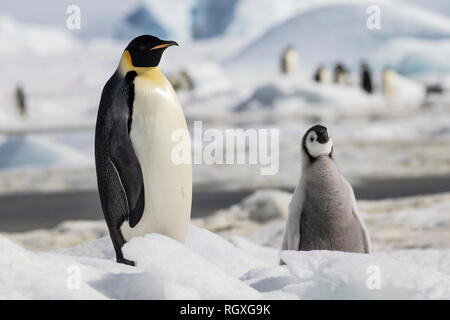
[(119, 175), (114, 93), (366, 81)]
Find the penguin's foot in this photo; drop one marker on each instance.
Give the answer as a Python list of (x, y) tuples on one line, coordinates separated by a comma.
[(125, 261)]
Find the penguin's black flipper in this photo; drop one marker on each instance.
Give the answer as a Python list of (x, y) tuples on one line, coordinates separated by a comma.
[(129, 171)]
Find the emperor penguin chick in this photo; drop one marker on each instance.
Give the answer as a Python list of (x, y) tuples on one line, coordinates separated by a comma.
[(323, 213), (142, 188)]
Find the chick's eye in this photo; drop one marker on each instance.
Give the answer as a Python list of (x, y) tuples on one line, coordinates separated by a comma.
[(312, 139)]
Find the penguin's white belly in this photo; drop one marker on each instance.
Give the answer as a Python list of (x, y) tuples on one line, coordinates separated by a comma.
[(168, 186)]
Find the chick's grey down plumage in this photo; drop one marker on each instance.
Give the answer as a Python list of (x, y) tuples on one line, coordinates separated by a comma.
[(323, 213), (327, 219)]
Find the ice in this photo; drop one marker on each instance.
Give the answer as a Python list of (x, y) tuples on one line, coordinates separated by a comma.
[(212, 18), (145, 18), (343, 34), (141, 20), (439, 6), (417, 58), (22, 151), (16, 38)]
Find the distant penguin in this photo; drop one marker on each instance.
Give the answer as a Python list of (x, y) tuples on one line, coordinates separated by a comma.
[(366, 78), (323, 213), (340, 74), (181, 81), (20, 101), (388, 82), (141, 189), (289, 61), (435, 88), (320, 74)]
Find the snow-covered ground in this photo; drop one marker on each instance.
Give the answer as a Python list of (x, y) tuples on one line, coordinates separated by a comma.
[(209, 267), (238, 258)]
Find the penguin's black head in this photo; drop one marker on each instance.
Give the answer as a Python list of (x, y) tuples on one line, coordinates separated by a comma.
[(316, 142), (146, 50)]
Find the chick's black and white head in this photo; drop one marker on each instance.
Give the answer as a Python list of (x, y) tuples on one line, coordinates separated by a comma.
[(316, 142), (147, 50)]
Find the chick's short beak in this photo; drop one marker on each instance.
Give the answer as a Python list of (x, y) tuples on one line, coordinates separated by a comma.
[(323, 137)]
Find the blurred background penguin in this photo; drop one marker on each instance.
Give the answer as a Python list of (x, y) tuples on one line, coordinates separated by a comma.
[(289, 61)]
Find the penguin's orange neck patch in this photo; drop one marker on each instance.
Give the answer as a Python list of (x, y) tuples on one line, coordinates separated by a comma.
[(126, 65)]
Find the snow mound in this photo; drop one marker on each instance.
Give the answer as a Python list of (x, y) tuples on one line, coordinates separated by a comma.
[(182, 274), (209, 267), (439, 6), (338, 275), (18, 38), (303, 97), (344, 35), (266, 205), (208, 79), (414, 57), (23, 151)]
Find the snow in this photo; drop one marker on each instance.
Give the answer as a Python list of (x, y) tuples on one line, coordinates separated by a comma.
[(19, 152), (210, 267), (230, 93), (416, 58), (208, 79), (165, 19), (237, 258), (267, 204), (338, 275), (343, 34), (17, 38), (439, 6)]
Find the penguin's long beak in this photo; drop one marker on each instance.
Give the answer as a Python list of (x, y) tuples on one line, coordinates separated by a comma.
[(165, 44)]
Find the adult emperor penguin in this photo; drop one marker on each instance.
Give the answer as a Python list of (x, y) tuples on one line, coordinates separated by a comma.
[(289, 61), (323, 213), (142, 190), (366, 78)]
